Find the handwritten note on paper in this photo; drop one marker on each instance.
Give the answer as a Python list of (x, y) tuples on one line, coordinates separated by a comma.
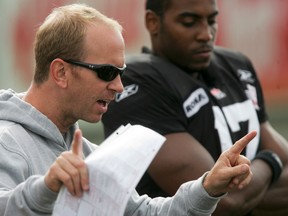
[(115, 168)]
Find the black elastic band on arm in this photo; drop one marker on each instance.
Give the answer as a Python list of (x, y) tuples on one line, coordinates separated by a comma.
[(273, 160)]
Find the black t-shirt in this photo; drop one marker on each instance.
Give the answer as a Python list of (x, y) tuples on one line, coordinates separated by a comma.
[(217, 108)]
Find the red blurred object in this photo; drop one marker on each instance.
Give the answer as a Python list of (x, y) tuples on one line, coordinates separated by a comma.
[(257, 28)]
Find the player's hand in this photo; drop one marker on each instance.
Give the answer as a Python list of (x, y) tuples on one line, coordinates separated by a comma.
[(69, 169), (231, 170)]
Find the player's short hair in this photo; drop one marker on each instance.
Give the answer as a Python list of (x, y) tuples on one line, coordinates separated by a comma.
[(158, 6), (62, 35)]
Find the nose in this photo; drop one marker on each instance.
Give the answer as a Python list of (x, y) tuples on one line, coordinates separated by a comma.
[(116, 85), (205, 33)]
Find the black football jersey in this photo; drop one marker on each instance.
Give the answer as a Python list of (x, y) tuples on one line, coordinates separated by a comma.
[(217, 108)]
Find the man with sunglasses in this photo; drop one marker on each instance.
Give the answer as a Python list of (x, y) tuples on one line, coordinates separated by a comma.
[(202, 98), (105, 72), (79, 59)]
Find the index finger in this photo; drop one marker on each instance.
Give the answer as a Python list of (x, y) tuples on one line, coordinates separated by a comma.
[(77, 143), (238, 147)]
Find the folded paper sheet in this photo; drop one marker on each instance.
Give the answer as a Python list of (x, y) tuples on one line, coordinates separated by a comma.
[(115, 168)]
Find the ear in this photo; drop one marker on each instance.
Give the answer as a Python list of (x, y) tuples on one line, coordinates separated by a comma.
[(58, 72), (152, 22)]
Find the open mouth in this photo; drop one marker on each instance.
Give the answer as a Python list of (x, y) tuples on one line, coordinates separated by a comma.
[(102, 103)]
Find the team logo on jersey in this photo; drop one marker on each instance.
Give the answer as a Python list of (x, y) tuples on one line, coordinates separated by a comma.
[(128, 91), (195, 101), (217, 93), (245, 75), (252, 95)]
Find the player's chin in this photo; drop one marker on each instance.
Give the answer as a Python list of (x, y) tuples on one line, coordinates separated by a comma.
[(200, 63), (200, 66)]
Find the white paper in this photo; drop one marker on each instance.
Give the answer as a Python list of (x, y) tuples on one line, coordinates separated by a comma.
[(115, 168)]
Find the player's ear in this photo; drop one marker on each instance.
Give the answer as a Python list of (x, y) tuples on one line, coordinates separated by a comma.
[(152, 21)]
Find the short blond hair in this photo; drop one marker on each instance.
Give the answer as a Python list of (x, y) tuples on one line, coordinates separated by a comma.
[(62, 35)]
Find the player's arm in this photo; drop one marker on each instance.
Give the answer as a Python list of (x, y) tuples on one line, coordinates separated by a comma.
[(183, 158), (275, 201)]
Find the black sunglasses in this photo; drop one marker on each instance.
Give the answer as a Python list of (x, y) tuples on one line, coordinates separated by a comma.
[(105, 72)]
